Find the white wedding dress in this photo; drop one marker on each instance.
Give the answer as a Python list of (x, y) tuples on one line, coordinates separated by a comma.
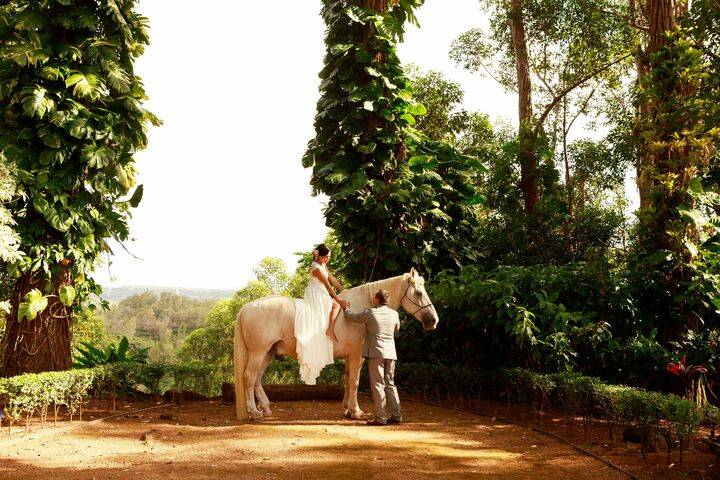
[(312, 316)]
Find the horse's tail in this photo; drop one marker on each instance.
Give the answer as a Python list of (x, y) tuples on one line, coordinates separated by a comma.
[(240, 359)]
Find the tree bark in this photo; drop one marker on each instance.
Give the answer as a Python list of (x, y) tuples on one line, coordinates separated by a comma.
[(568, 180), (662, 17), (581, 191), (44, 343), (527, 155)]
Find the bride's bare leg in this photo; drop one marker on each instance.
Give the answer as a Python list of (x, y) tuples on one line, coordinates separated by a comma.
[(330, 332)]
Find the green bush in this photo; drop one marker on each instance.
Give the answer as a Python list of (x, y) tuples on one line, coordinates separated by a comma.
[(27, 395), (673, 417), (92, 356), (668, 415)]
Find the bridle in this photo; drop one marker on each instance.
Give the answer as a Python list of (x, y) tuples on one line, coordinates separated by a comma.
[(420, 307)]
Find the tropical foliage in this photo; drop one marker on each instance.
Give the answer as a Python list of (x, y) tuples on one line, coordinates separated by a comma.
[(72, 121), (91, 356), (382, 175)]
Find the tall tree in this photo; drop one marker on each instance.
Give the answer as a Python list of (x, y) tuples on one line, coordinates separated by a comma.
[(678, 142), (553, 54), (397, 198), (656, 18), (272, 271), (9, 239), (72, 121), (442, 98)]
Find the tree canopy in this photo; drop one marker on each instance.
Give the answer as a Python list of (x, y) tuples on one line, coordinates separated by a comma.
[(73, 118)]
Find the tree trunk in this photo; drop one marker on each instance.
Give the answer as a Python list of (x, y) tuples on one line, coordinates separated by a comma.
[(527, 156), (42, 344), (643, 180), (662, 17), (659, 230), (568, 180)]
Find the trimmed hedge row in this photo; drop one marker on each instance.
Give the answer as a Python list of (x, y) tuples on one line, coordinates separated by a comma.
[(656, 415), (30, 395)]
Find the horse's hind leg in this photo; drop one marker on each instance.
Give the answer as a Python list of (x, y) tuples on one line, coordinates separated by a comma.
[(252, 369), (263, 401)]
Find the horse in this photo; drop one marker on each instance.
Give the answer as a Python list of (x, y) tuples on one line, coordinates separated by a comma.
[(265, 327)]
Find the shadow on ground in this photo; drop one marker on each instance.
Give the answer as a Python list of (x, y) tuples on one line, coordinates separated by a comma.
[(304, 440)]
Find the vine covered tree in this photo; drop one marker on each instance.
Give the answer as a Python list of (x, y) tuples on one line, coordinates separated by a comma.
[(679, 135), (8, 237), (73, 118), (397, 198)]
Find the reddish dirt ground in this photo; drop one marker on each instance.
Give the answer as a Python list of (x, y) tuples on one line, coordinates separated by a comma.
[(305, 440), (699, 462)]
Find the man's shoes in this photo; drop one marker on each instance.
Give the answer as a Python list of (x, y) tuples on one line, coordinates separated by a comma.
[(394, 421), (376, 423)]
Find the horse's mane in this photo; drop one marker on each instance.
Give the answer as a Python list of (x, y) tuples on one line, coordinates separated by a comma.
[(392, 284)]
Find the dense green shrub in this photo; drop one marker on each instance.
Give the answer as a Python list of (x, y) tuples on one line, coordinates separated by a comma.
[(33, 394), (540, 317), (91, 356), (666, 415)]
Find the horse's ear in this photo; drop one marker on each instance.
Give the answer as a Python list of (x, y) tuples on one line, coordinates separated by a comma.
[(413, 275)]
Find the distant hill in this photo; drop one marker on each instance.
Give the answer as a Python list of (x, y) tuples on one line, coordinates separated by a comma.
[(117, 294), (160, 321)]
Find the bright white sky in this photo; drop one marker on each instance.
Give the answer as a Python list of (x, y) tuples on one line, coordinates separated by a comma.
[(236, 84)]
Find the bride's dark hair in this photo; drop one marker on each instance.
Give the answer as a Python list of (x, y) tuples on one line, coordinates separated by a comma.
[(322, 250)]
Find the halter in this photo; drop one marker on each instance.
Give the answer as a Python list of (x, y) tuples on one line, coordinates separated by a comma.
[(420, 307)]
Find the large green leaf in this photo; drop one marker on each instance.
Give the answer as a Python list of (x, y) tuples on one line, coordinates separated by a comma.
[(136, 196), (417, 109), (475, 200), (67, 295), (35, 302), (59, 221), (86, 85), (36, 102), (692, 215), (98, 156), (123, 348)]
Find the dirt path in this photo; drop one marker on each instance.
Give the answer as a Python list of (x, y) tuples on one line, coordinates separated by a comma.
[(304, 440)]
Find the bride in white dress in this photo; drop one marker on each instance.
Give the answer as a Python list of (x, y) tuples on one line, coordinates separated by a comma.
[(315, 317)]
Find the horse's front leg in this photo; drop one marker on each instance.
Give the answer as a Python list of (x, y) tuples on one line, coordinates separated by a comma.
[(346, 395), (355, 364)]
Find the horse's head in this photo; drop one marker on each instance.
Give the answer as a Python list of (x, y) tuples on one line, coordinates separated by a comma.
[(416, 302)]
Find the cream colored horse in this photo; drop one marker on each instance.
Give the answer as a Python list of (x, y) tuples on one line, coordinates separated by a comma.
[(265, 327)]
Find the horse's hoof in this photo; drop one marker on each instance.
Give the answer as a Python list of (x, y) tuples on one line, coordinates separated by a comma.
[(347, 414), (256, 415), (267, 412), (358, 414)]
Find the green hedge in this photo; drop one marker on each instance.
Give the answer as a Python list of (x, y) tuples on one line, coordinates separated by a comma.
[(30, 395), (658, 414), (27, 395), (669, 416)]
